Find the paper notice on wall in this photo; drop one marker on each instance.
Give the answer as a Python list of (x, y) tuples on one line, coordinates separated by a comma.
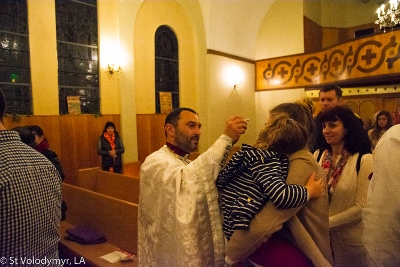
[(165, 102), (74, 105)]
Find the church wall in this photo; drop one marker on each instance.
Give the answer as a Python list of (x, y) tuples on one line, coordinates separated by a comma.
[(116, 24), (151, 15), (274, 41), (43, 53), (126, 35), (224, 101)]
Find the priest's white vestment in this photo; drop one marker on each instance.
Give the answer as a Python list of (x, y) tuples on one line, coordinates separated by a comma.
[(179, 217)]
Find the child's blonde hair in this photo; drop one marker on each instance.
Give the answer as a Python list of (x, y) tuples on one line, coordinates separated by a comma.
[(288, 128)]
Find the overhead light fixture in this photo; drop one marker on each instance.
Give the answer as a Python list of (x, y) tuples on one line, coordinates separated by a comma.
[(390, 17)]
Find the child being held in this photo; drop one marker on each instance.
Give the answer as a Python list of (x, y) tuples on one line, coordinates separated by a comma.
[(257, 174)]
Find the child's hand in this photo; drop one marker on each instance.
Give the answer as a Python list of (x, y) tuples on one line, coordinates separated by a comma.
[(315, 188)]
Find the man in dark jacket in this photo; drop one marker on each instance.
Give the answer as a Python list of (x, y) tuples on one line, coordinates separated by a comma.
[(329, 96)]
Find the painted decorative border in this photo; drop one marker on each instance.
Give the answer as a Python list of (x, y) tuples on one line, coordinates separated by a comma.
[(367, 57)]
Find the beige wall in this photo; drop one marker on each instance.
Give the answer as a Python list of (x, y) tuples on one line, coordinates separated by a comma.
[(251, 29), (224, 101), (127, 11), (109, 52), (192, 58), (347, 13), (232, 26), (274, 41), (43, 52), (312, 10), (153, 14), (126, 35), (116, 18)]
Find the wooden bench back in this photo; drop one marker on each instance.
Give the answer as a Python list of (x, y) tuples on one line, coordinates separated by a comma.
[(118, 186), (111, 184), (132, 168), (115, 218), (87, 178)]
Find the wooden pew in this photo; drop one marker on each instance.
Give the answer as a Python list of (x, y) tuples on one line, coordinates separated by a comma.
[(132, 168), (111, 184), (115, 218), (87, 178), (118, 186)]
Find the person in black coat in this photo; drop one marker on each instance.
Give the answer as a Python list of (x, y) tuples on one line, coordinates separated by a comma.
[(110, 147), (34, 137)]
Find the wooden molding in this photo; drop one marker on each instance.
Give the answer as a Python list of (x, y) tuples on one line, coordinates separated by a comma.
[(365, 58), (222, 54)]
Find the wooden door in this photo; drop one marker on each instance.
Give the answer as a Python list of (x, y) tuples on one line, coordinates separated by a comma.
[(367, 105)]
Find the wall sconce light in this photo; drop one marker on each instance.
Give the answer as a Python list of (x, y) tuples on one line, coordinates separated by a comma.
[(111, 69), (237, 85), (233, 76)]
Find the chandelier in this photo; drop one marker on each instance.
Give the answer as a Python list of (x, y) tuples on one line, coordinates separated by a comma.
[(390, 17)]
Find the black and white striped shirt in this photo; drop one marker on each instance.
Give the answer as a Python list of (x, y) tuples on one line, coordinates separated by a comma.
[(30, 204), (250, 179)]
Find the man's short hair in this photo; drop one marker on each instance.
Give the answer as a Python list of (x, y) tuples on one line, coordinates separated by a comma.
[(331, 87), (174, 115)]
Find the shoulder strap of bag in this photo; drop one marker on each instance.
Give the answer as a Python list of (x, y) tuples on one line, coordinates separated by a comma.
[(319, 155), (358, 164)]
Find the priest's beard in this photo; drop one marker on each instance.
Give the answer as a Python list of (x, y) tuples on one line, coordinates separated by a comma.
[(185, 142)]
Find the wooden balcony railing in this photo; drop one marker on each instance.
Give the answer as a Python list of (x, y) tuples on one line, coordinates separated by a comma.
[(370, 57)]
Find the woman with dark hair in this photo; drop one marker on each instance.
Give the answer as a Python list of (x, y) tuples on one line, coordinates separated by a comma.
[(41, 144), (346, 146), (110, 147), (382, 123)]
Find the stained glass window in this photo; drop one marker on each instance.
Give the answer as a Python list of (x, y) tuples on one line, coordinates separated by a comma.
[(166, 65), (77, 50), (15, 78)]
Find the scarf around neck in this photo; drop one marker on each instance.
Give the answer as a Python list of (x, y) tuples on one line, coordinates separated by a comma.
[(42, 146), (333, 173), (110, 139)]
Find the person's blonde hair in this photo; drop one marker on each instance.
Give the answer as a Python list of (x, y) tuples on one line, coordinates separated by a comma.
[(288, 128)]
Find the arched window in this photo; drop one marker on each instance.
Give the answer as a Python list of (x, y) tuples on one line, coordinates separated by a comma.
[(77, 49), (15, 77), (166, 69)]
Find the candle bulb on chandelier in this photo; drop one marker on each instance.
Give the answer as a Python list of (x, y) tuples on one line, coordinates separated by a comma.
[(388, 18)]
